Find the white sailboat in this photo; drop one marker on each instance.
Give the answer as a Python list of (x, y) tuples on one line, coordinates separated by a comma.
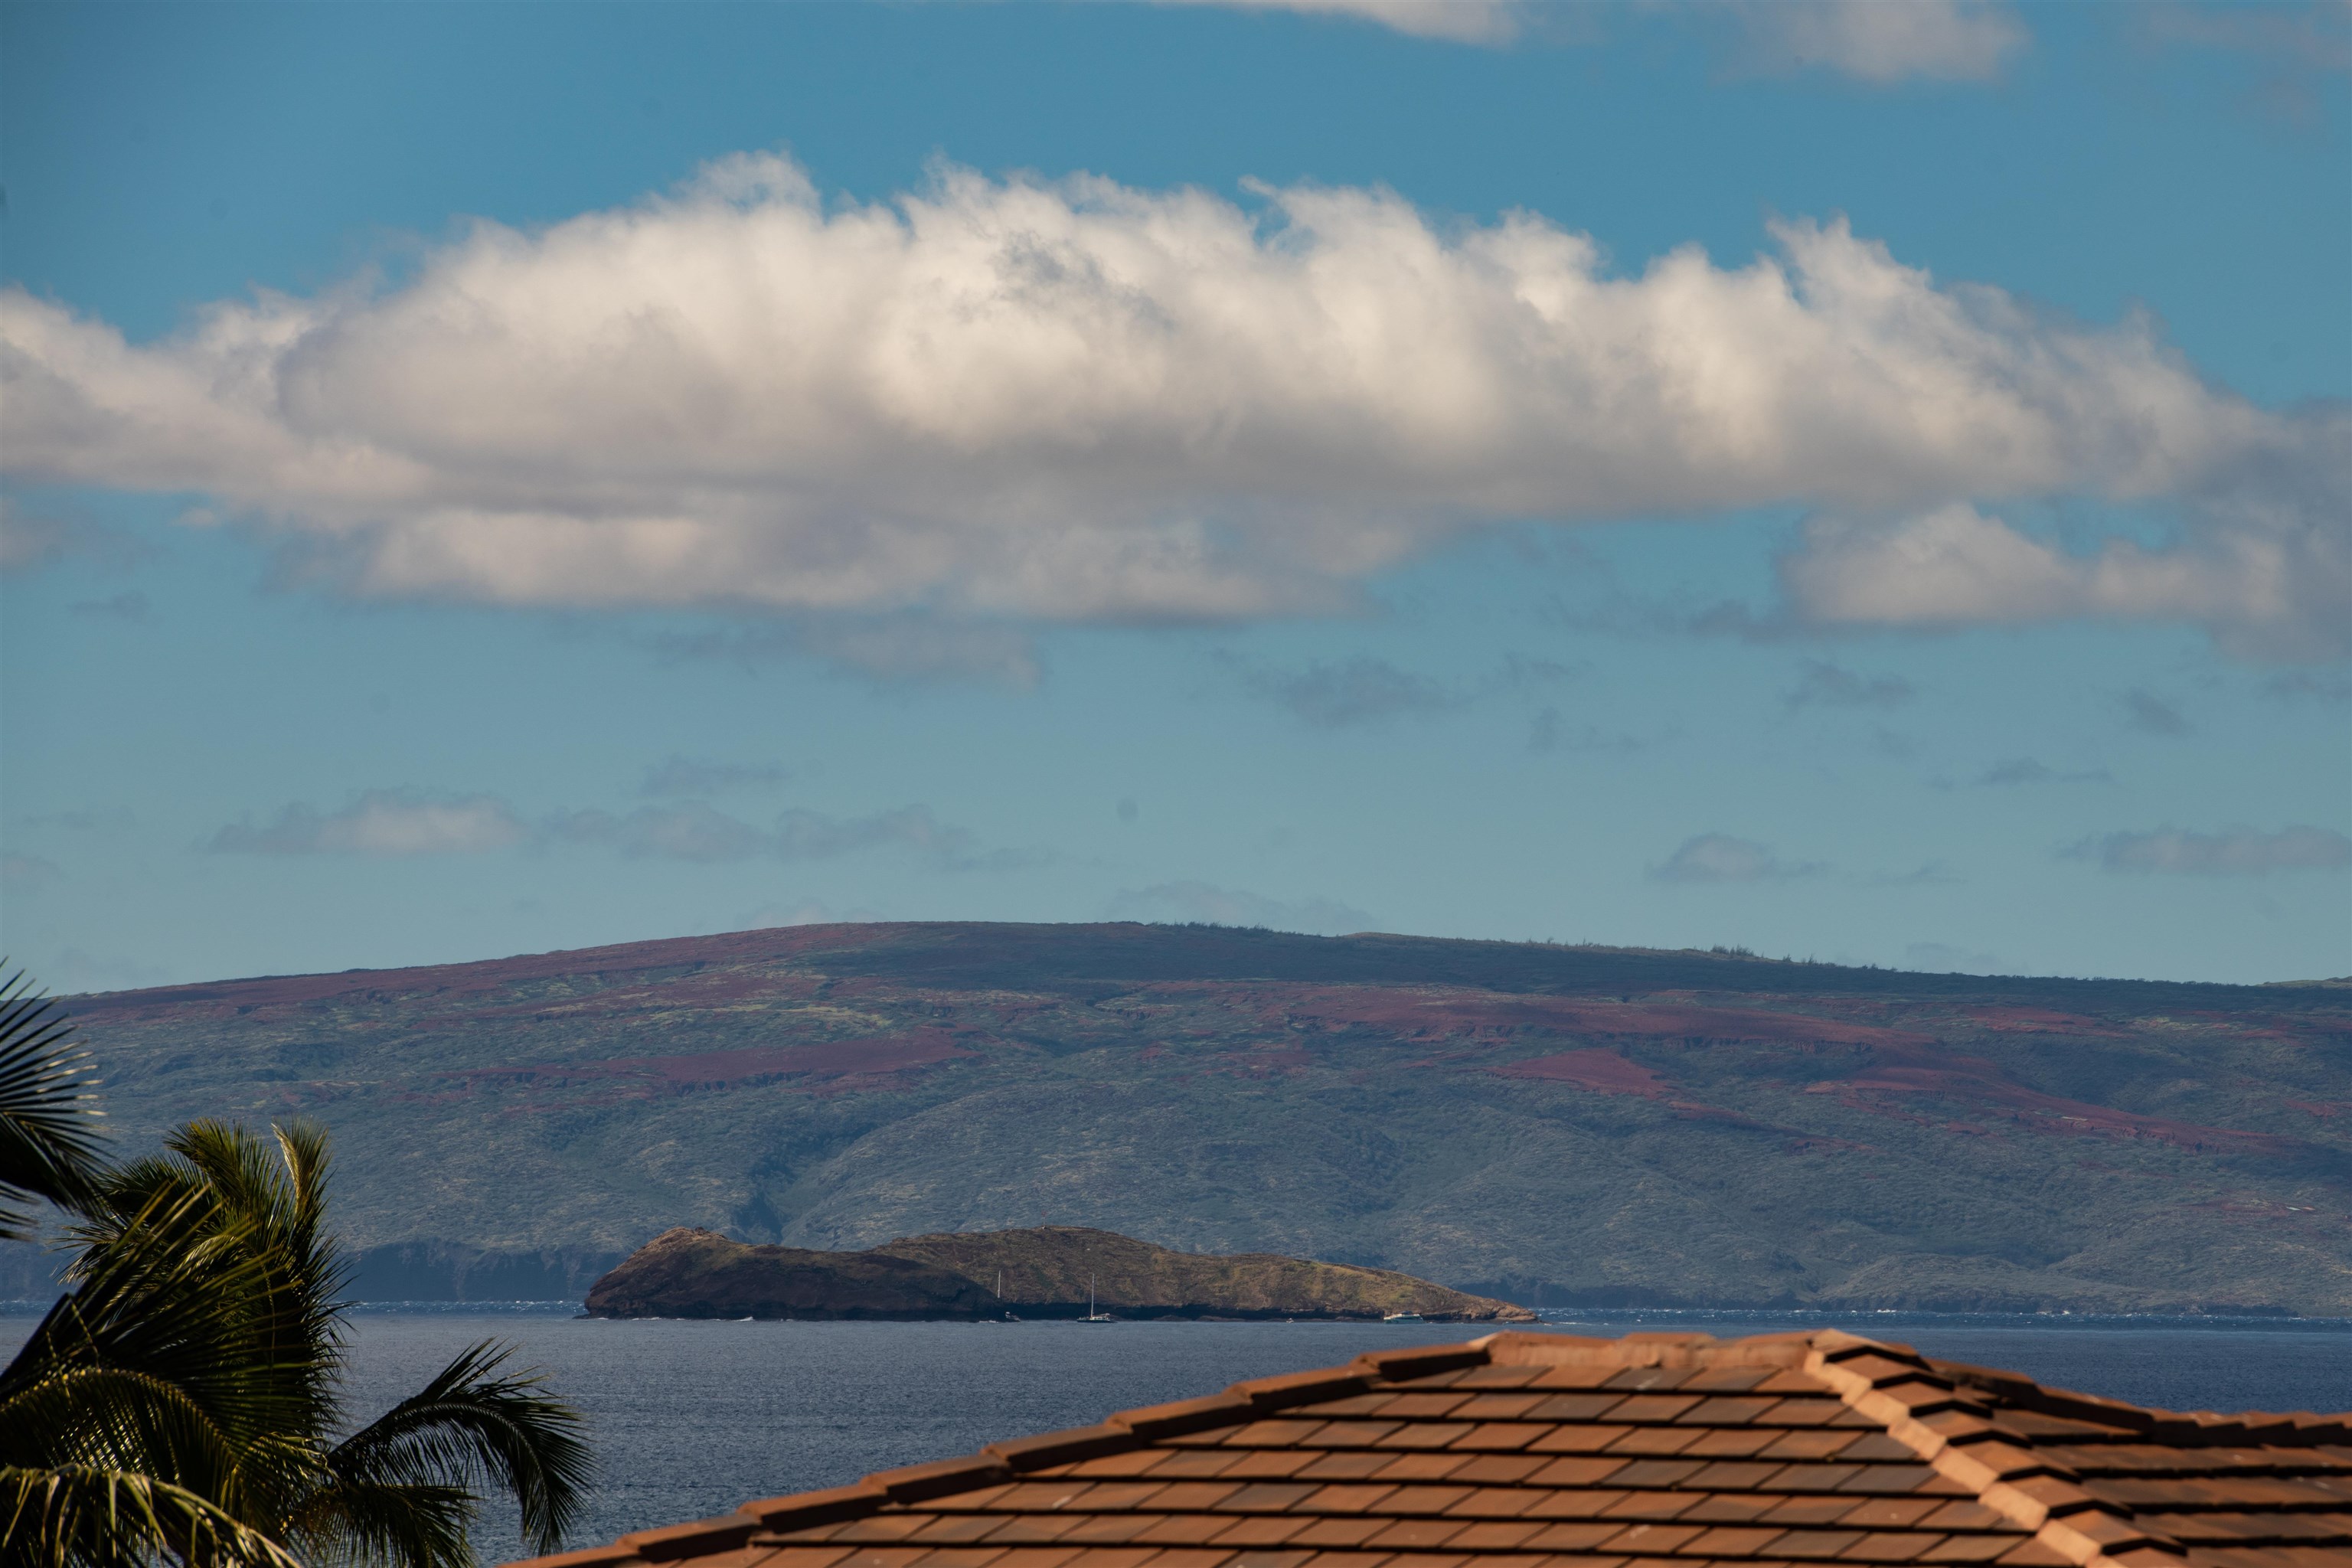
[(1000, 1299), (1092, 1315)]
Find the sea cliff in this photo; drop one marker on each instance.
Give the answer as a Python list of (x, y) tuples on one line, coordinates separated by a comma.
[(689, 1273)]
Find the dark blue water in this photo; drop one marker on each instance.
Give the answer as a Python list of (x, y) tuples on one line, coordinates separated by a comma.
[(691, 1418)]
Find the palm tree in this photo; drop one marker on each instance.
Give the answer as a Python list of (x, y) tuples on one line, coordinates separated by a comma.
[(182, 1402)]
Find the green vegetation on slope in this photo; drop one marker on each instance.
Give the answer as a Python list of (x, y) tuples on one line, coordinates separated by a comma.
[(1056, 1270), (1551, 1125)]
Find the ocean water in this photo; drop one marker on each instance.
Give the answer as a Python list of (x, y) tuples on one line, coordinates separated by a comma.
[(691, 1418)]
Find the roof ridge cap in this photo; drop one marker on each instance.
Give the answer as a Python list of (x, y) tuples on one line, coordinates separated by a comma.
[(1418, 1361), (1682, 1348), (2039, 1494), (2186, 1428)]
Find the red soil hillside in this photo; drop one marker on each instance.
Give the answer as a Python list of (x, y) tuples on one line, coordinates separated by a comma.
[(1544, 1123)]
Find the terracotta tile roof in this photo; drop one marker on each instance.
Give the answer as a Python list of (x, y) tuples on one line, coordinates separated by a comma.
[(1547, 1451)]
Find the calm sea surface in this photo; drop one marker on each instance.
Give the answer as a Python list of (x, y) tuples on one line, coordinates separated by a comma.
[(691, 1418)]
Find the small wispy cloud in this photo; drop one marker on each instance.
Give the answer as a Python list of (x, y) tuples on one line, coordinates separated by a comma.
[(693, 831), (1882, 41), (1719, 858), (687, 776), (1365, 691), (1523, 672), (31, 540), (1360, 690), (2231, 852), (892, 647), (1929, 874), (1888, 743), (2152, 715), (1199, 901), (400, 823), (2031, 770), (2309, 686), (129, 606), (1820, 684), (111, 820), (393, 824), (1549, 731), (2296, 50), (1455, 21), (1877, 41), (27, 873), (814, 835)]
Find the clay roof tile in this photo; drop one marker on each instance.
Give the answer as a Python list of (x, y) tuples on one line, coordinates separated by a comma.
[(608, 1556), (1185, 1416), (1529, 1450), (917, 1483), (701, 1537), (1061, 1447)]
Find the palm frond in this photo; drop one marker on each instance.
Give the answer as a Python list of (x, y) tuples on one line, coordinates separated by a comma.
[(49, 1147), (476, 1424), (199, 1255), (401, 1524), (81, 1517), (281, 1194), (175, 1296), (108, 1418), (175, 1288)]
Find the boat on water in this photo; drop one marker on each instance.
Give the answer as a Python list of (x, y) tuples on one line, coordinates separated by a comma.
[(1403, 1318), (1094, 1316)]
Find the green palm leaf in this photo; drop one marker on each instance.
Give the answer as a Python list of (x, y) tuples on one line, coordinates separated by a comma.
[(179, 1289), (265, 1228), (475, 1424), (48, 1117), (152, 1364), (81, 1517), (406, 1524)]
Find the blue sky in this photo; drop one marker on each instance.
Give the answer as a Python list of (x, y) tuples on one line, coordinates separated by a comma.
[(1864, 480)]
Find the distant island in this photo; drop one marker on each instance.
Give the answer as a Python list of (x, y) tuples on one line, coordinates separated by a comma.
[(1050, 1272), (1558, 1126)]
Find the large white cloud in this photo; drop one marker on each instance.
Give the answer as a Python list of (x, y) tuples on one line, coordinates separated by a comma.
[(1079, 401)]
